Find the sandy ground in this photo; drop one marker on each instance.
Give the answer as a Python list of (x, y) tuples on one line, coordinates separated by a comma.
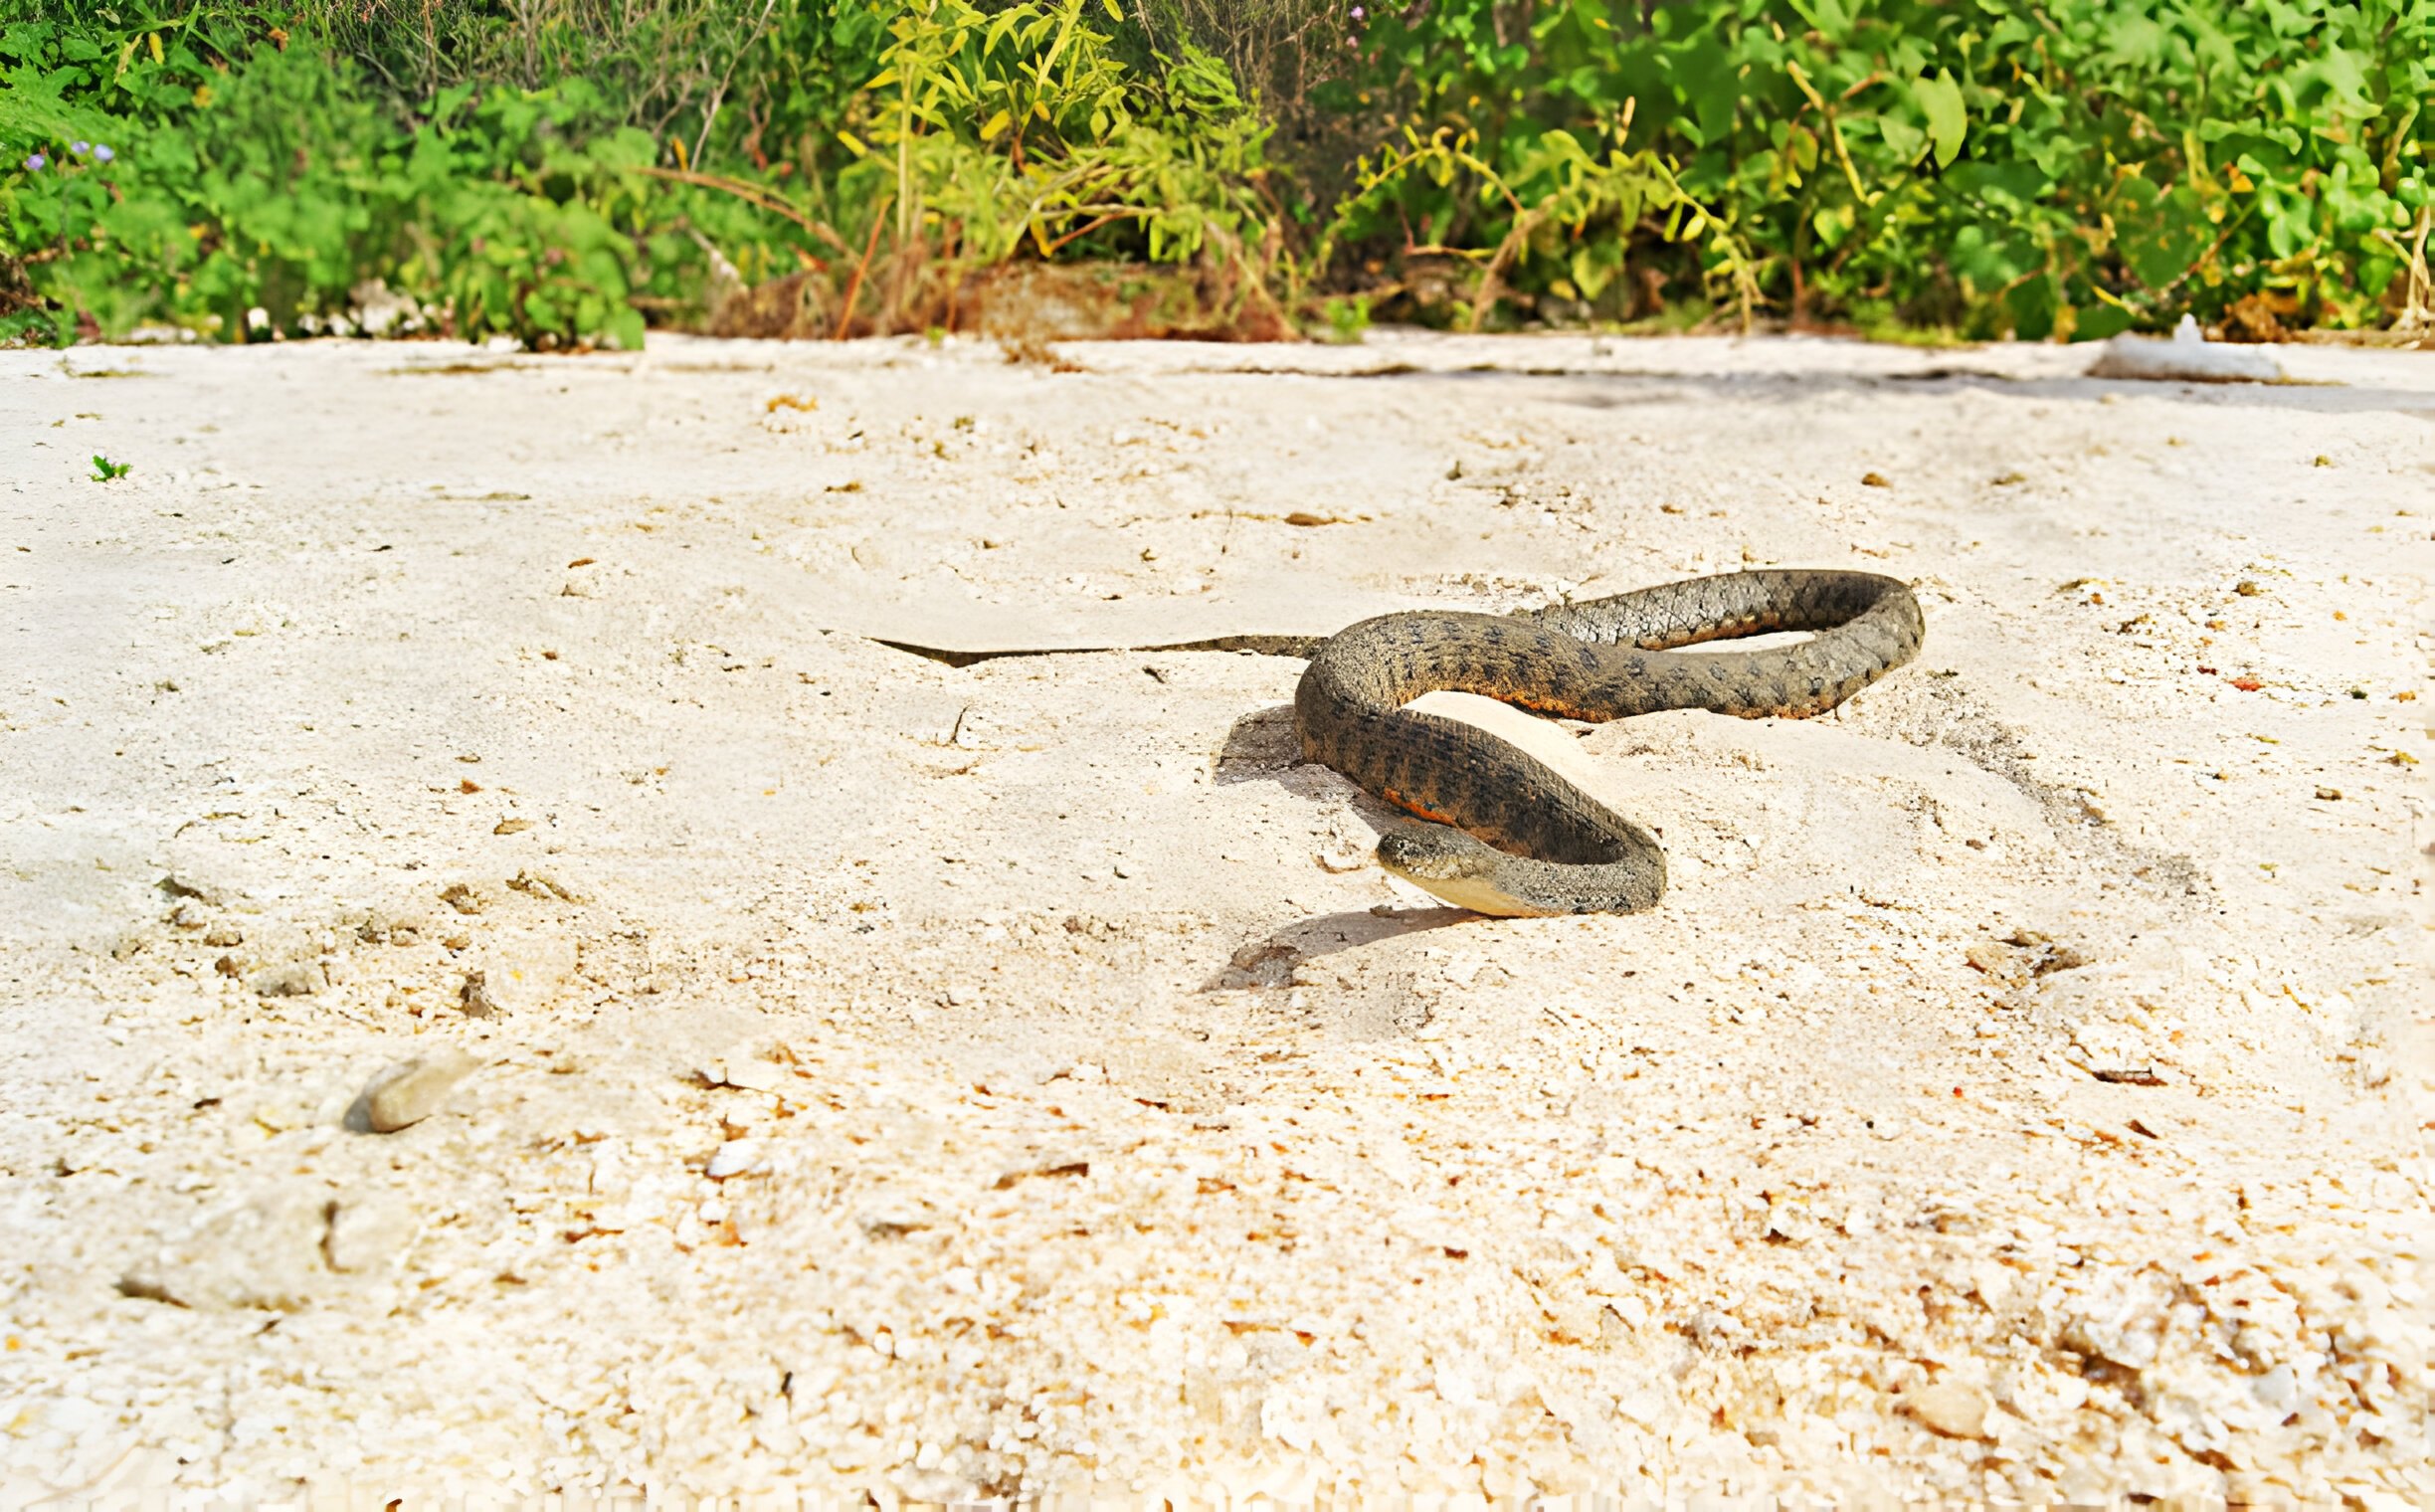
[(882, 1076)]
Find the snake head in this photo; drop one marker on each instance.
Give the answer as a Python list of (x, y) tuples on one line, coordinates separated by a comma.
[(1425, 853), (1456, 868), (1470, 874)]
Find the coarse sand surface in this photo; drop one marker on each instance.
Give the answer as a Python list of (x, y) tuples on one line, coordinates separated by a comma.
[(508, 983)]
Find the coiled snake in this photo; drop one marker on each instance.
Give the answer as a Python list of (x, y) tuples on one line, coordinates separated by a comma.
[(1508, 835), (1511, 836)]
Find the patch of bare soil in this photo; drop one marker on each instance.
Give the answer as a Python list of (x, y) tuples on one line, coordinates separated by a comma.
[(507, 983)]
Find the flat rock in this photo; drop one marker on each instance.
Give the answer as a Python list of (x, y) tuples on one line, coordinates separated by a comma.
[(263, 1252)]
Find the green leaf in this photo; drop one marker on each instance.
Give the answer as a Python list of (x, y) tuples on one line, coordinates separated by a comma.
[(1940, 99), (2097, 322), (2033, 305), (1905, 141)]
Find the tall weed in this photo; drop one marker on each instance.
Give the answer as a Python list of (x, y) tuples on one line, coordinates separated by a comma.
[(1018, 131)]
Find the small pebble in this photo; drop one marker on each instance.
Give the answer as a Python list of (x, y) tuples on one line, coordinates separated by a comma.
[(296, 979), (735, 1158), (1950, 1409), (543, 885), (743, 1071), (407, 1093), (1990, 958), (473, 998), (188, 887), (518, 973)]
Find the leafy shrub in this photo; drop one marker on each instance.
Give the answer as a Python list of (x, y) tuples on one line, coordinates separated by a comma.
[(553, 170), (259, 173), (1551, 206), (2075, 167), (989, 134), (267, 178)]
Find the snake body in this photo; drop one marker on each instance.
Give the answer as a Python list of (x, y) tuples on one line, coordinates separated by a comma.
[(1510, 835)]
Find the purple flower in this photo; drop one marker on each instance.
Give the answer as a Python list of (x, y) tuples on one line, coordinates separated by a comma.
[(34, 164), (103, 152), (1357, 13), (80, 148)]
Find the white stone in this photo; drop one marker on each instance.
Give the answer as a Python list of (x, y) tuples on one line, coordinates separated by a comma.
[(1949, 1407), (2187, 358)]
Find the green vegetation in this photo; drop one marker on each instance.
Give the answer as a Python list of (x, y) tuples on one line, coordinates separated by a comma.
[(561, 171), (2081, 166), (105, 470)]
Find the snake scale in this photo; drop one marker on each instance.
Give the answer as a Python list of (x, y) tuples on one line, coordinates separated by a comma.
[(1508, 835)]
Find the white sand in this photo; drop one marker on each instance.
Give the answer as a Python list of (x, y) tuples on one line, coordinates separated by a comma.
[(1017, 1079)]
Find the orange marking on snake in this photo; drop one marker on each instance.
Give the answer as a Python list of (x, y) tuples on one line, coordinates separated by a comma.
[(1541, 705), (1424, 810)]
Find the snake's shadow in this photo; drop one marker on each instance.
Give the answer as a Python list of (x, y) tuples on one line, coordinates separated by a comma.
[(1269, 962), (1262, 747)]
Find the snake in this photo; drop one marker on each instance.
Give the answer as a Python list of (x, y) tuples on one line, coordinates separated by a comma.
[(1502, 832), (1508, 835)]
